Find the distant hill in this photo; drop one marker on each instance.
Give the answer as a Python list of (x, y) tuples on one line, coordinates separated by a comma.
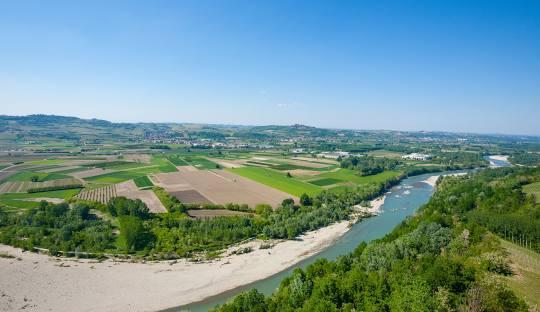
[(51, 127)]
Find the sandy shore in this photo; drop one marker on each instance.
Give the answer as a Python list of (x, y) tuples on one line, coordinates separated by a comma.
[(499, 157), (375, 206), (492, 164), (37, 282), (433, 179)]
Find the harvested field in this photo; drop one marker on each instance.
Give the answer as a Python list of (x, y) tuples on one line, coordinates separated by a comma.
[(56, 169), (139, 158), (102, 195), (24, 186), (90, 173), (317, 160), (130, 190), (212, 213), (302, 172), (227, 163), (186, 168), (303, 163), (47, 199), (7, 172), (221, 187), (191, 197)]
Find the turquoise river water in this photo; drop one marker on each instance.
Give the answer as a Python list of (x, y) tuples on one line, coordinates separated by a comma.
[(401, 201)]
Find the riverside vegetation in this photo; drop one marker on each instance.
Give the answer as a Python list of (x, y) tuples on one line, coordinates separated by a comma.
[(446, 258), (91, 227)]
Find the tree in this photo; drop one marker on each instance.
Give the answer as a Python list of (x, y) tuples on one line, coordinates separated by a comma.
[(34, 178), (131, 233), (289, 175), (287, 202), (305, 200)]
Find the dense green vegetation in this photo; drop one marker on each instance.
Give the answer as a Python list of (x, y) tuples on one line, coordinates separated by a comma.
[(443, 259), (459, 160), (525, 159), (369, 165), (56, 228), (174, 234)]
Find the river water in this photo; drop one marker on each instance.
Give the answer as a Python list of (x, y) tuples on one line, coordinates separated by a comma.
[(401, 201)]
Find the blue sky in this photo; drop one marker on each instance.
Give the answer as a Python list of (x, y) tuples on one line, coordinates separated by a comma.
[(467, 66)]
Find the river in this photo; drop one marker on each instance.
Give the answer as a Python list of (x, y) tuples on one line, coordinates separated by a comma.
[(401, 201)]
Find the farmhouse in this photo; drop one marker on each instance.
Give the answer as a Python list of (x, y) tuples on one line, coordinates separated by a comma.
[(417, 156)]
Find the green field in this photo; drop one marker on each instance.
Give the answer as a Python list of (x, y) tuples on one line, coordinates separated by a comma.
[(42, 176), (526, 280), (325, 182), (143, 181), (201, 163), (47, 162), (346, 175), (534, 189), (164, 164), (13, 200), (177, 160), (158, 164), (117, 177), (277, 180)]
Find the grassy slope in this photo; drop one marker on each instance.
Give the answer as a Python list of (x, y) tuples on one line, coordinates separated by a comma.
[(526, 265), (277, 180), (533, 188)]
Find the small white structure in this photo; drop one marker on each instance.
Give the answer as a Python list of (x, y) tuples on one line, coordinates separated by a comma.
[(333, 155), (417, 156)]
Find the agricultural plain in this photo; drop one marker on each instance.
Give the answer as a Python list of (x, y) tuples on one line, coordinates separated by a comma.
[(219, 187)]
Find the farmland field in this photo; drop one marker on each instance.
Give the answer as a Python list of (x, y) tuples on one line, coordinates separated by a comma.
[(128, 189), (25, 186), (17, 201), (325, 181), (143, 181), (102, 195), (201, 163), (277, 180), (346, 175), (218, 186), (41, 176), (177, 160)]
